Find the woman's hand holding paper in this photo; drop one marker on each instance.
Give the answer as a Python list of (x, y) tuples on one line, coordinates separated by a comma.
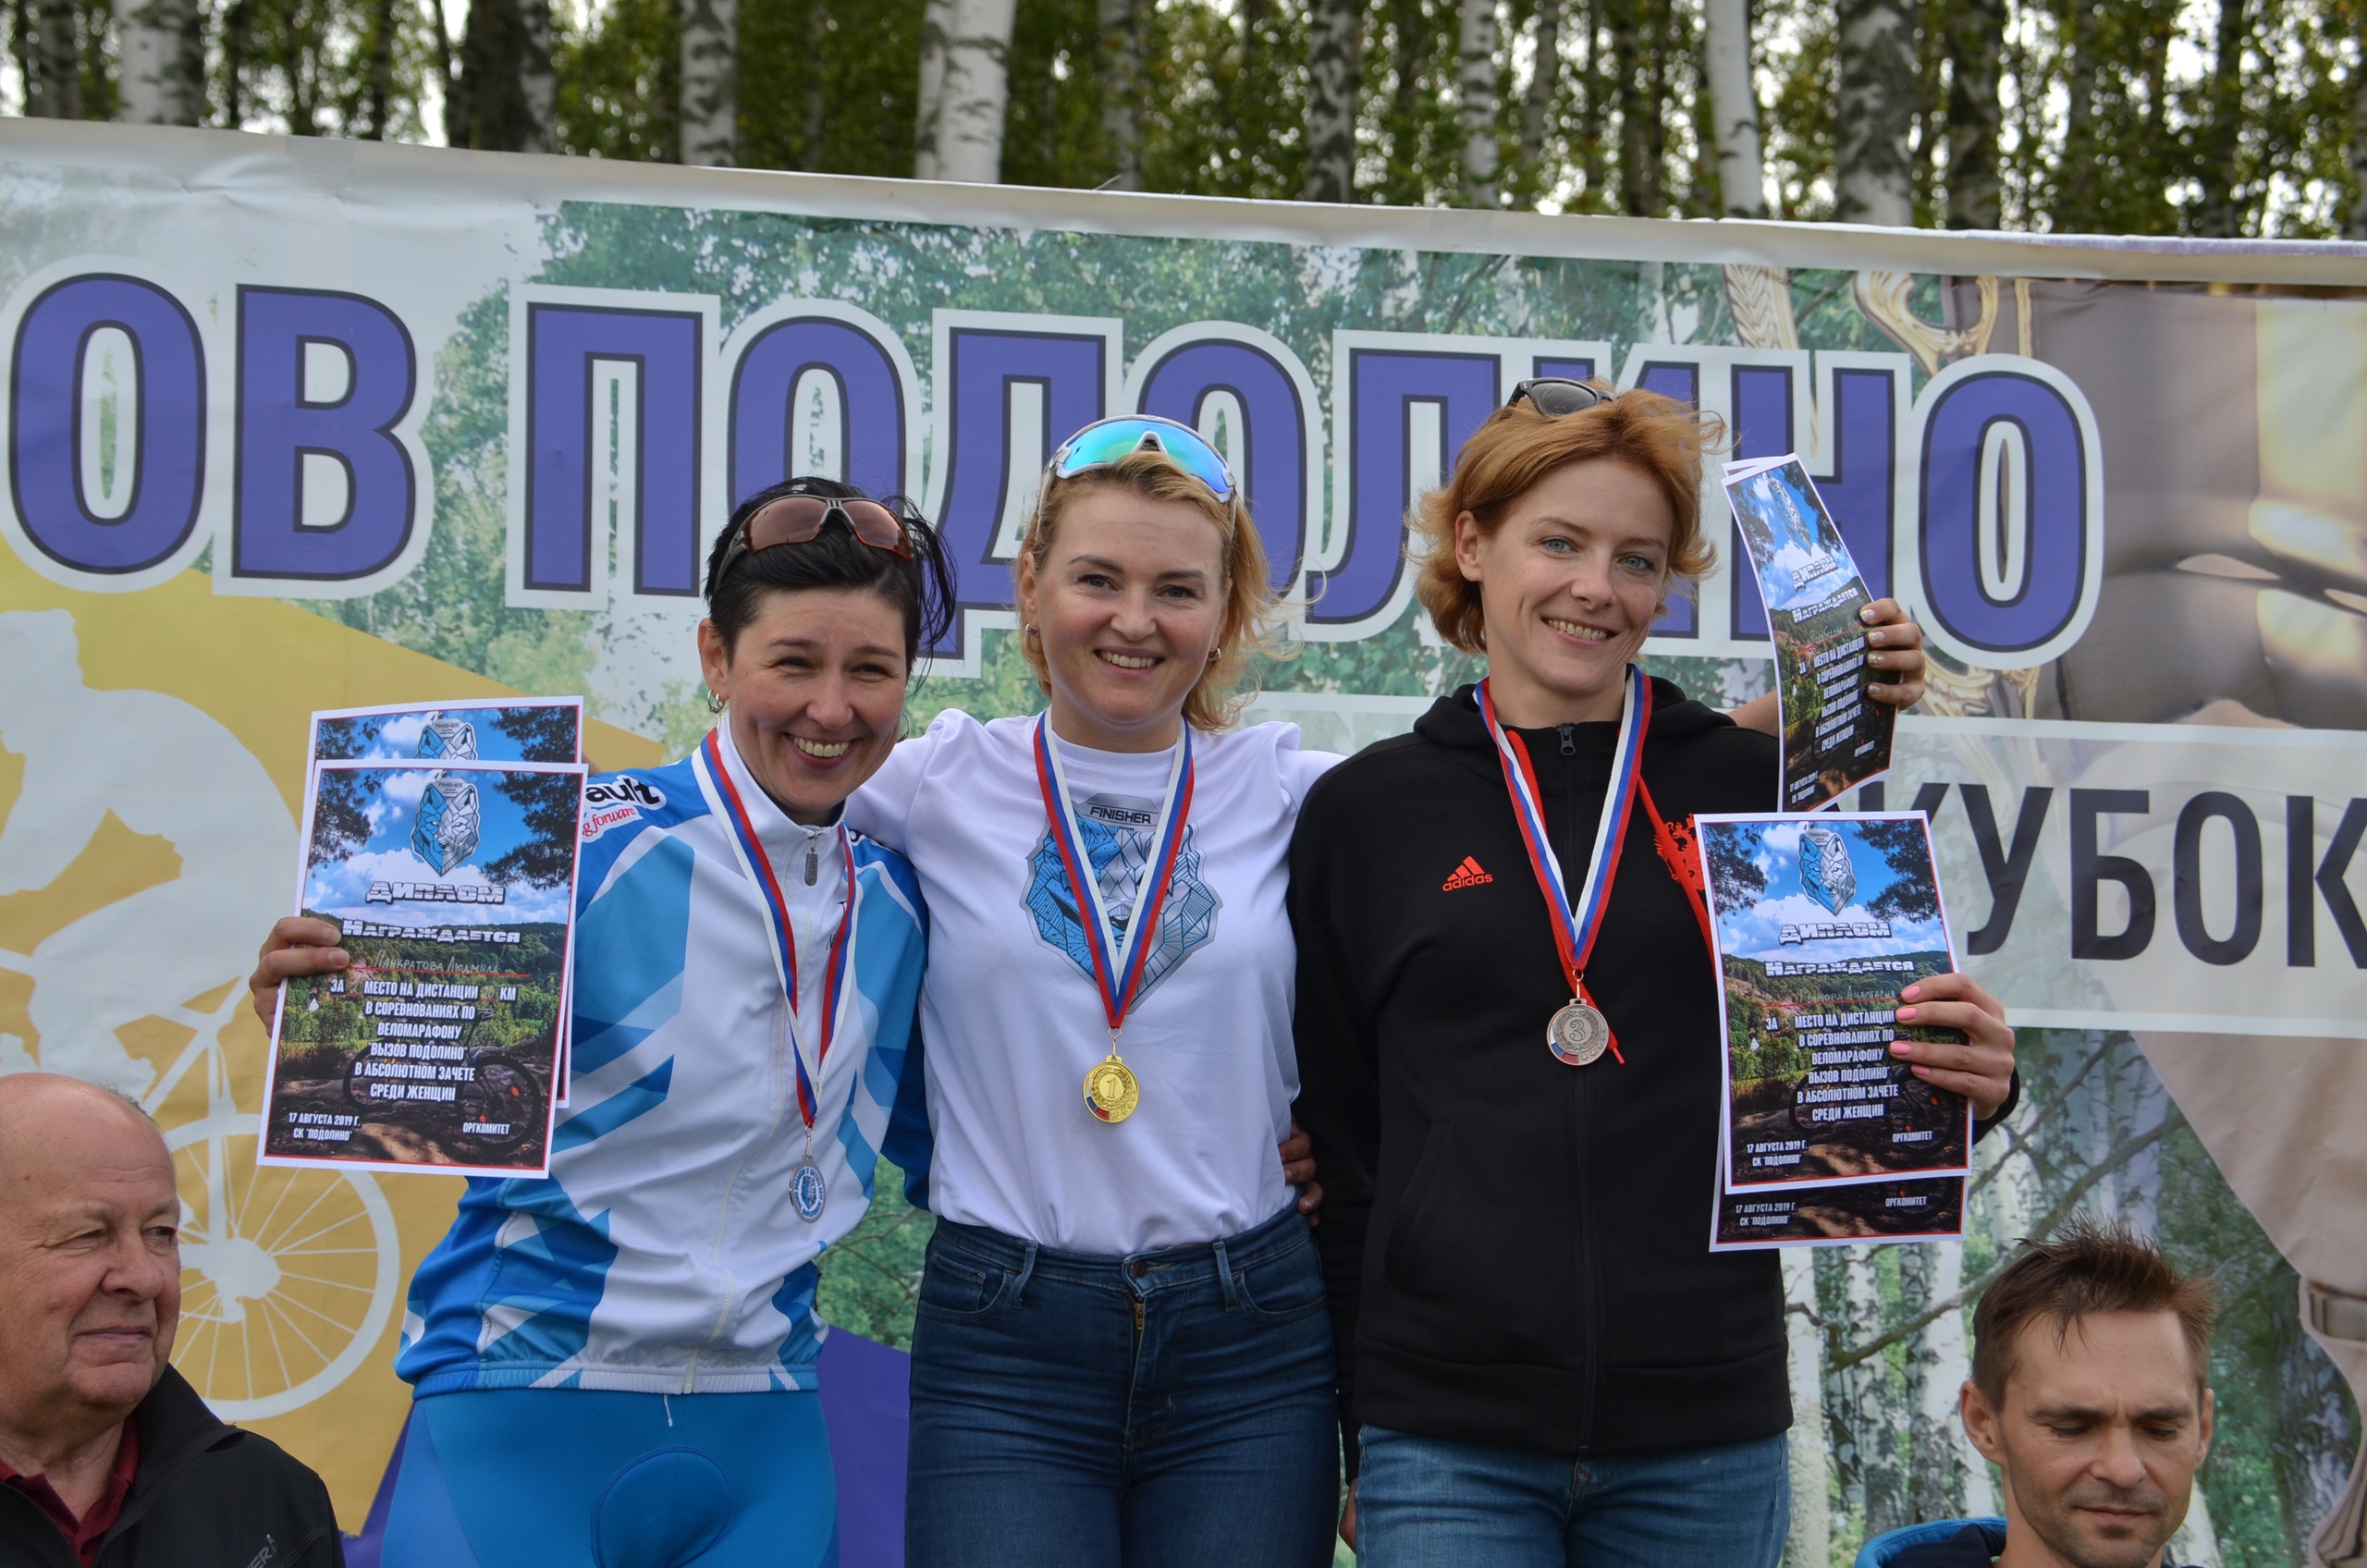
[(1982, 1069)]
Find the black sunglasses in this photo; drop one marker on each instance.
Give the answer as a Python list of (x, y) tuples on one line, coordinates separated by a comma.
[(1554, 396)]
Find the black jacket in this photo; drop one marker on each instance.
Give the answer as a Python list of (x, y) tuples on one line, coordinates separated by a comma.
[(1539, 1274), (205, 1496)]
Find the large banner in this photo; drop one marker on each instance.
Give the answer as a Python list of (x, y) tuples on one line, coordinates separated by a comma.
[(292, 425)]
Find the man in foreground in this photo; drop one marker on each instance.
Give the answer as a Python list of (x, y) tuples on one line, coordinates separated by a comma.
[(107, 1456), (2087, 1391)]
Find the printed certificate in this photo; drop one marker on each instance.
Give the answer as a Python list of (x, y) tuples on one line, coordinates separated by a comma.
[(1834, 736), (1821, 921), (515, 730), (454, 888), (1922, 1209)]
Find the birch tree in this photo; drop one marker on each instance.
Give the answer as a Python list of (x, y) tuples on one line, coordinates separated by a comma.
[(1476, 96), (937, 26), (710, 82), (2355, 224), (1544, 78), (1336, 54), (53, 63), (160, 55), (1725, 47), (1874, 110), (1975, 110), (975, 91), (1120, 48), (1869, 1405), (1809, 1542), (506, 100)]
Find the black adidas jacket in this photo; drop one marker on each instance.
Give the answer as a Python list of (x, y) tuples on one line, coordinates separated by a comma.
[(1517, 1251), (205, 1494)]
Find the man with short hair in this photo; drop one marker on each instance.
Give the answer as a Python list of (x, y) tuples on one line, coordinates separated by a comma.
[(2090, 1392), (108, 1458)]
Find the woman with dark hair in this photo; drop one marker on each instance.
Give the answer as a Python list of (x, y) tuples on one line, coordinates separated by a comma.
[(1547, 1364), (617, 1363)]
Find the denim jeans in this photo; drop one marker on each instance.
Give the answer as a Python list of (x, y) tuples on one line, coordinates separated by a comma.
[(1427, 1503), (1171, 1407)]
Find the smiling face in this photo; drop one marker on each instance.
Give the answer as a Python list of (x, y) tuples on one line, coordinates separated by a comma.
[(2099, 1436), (1129, 602), (816, 683), (90, 1262), (1570, 582)]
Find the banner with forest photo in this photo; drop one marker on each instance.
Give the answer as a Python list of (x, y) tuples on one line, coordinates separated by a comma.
[(294, 426)]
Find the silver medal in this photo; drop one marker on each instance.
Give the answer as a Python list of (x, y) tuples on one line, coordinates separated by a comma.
[(807, 1189)]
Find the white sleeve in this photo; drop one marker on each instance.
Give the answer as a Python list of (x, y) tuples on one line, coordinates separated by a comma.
[(881, 809), (1299, 769)]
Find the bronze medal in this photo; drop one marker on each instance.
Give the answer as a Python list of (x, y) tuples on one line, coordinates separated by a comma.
[(1111, 1091), (1579, 1034)]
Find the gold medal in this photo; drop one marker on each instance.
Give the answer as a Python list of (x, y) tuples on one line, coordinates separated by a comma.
[(1110, 1090), (1579, 1034)]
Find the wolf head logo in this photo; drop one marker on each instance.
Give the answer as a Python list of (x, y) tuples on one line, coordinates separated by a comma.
[(449, 738), (443, 830), (1825, 873)]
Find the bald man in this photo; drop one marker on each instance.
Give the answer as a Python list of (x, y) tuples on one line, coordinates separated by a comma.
[(108, 1458)]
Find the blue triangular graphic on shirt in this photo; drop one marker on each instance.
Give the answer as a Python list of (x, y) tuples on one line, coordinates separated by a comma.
[(1187, 922)]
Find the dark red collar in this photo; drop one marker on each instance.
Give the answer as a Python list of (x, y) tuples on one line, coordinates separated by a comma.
[(85, 1534)]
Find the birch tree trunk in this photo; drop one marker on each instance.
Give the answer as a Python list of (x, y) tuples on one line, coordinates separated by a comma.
[(1725, 46), (161, 51), (1335, 59), (54, 91), (1976, 109), (2355, 227), (1875, 113), (1809, 1542), (976, 91), (937, 26), (1872, 1410), (1121, 87), (1476, 94), (1947, 1477), (508, 94), (1545, 77), (710, 120), (381, 68), (1639, 170)]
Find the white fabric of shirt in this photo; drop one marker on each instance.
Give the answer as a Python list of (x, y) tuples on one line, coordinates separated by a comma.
[(1012, 1021)]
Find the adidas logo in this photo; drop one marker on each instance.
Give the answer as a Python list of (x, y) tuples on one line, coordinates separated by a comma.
[(1467, 875)]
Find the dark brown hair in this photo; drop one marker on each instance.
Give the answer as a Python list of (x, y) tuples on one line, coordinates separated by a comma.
[(1518, 445), (2087, 1267), (921, 587)]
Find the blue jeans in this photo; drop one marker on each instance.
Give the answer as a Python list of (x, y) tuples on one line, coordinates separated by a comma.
[(1173, 1407), (1427, 1503)]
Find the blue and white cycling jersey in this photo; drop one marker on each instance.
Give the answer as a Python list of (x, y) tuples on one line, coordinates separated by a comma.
[(664, 1254)]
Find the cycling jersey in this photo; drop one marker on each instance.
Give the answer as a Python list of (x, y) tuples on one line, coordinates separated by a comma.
[(665, 1253)]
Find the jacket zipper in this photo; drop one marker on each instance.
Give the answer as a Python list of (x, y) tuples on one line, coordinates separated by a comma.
[(732, 1188), (1580, 1103)]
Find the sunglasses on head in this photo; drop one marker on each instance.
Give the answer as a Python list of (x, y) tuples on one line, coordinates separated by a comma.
[(798, 519), (1111, 441), (1554, 396)]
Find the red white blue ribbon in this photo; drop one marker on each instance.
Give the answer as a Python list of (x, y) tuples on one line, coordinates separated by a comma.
[(759, 869), (1117, 963), (1578, 920)]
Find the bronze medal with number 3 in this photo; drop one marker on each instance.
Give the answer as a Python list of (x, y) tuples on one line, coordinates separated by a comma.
[(1579, 1033)]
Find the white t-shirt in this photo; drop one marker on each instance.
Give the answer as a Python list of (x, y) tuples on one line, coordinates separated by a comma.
[(1010, 1015)]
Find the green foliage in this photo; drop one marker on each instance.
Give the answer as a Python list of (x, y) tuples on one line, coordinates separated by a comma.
[(619, 81), (872, 1276)]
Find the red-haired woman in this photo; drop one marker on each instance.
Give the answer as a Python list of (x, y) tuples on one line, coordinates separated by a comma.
[(1547, 1363)]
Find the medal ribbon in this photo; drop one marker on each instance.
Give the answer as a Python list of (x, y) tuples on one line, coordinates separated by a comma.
[(1576, 923), (1117, 965), (759, 869)]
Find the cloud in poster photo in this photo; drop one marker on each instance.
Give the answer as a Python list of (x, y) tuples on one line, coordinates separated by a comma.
[(377, 825), (1751, 925)]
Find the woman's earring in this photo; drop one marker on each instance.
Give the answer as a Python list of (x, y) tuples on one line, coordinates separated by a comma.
[(714, 703), (1215, 654)]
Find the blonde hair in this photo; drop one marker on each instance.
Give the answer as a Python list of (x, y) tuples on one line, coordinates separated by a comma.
[(1519, 445), (1250, 607)]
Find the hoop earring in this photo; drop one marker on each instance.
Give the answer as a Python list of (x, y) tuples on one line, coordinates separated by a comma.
[(716, 705)]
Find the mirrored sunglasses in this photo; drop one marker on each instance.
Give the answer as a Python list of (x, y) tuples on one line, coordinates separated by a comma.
[(1113, 440), (798, 519), (1554, 396)]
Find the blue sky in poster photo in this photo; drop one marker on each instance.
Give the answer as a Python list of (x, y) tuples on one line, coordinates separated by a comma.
[(341, 888), (1755, 930)]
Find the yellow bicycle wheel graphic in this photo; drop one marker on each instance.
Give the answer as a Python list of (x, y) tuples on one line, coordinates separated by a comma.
[(287, 1277)]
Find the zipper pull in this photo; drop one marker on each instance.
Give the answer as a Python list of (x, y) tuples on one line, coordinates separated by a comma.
[(1569, 746), (813, 861)]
